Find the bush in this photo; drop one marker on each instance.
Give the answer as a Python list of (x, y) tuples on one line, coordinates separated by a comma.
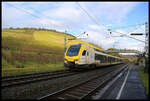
[(136, 63), (145, 80), (7, 55), (5, 63), (19, 65)]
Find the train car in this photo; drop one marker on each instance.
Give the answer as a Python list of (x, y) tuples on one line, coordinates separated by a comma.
[(84, 56)]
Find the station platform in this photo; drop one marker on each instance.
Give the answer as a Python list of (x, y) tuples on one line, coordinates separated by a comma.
[(128, 86)]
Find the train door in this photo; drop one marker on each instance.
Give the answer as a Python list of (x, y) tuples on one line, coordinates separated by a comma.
[(87, 57), (83, 58)]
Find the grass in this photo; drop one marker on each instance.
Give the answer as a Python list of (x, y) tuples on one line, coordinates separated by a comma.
[(30, 51), (52, 39), (31, 67), (145, 80)]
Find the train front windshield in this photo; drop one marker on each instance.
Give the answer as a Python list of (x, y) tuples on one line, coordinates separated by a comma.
[(73, 50)]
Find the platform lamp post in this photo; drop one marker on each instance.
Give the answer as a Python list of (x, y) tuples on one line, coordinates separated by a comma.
[(64, 45), (146, 46), (65, 41)]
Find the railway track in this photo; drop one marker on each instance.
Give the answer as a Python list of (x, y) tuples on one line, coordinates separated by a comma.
[(83, 89), (12, 81), (30, 78)]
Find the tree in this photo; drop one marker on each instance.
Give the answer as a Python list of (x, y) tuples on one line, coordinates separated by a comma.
[(11, 28), (111, 49)]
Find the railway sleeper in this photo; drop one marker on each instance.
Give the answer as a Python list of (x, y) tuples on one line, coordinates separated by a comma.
[(89, 86), (76, 93), (73, 96), (73, 91), (93, 83), (61, 98), (64, 97), (80, 90)]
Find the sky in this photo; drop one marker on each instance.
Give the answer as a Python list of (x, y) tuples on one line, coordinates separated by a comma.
[(93, 18)]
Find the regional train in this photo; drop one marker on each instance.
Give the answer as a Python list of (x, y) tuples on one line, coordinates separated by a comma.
[(84, 56)]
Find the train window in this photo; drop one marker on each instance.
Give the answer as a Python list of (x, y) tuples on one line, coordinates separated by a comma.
[(109, 59), (87, 54), (83, 53), (112, 59), (100, 57), (73, 50), (104, 59)]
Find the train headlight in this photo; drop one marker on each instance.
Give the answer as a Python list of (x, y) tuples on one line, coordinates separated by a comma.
[(76, 60), (65, 60)]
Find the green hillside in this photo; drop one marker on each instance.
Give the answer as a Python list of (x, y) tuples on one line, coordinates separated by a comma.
[(28, 50)]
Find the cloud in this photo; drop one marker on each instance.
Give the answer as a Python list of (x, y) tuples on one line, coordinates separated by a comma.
[(136, 45), (94, 27), (48, 22), (98, 38), (65, 11), (110, 12), (69, 14), (10, 15), (118, 10), (72, 14)]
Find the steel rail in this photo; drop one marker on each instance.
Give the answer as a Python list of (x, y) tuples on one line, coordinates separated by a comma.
[(87, 87), (9, 82)]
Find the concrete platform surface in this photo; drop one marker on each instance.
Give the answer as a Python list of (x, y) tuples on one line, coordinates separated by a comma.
[(128, 86), (133, 88)]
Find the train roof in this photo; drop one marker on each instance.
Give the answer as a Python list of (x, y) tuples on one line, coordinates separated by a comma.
[(108, 55), (85, 43)]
